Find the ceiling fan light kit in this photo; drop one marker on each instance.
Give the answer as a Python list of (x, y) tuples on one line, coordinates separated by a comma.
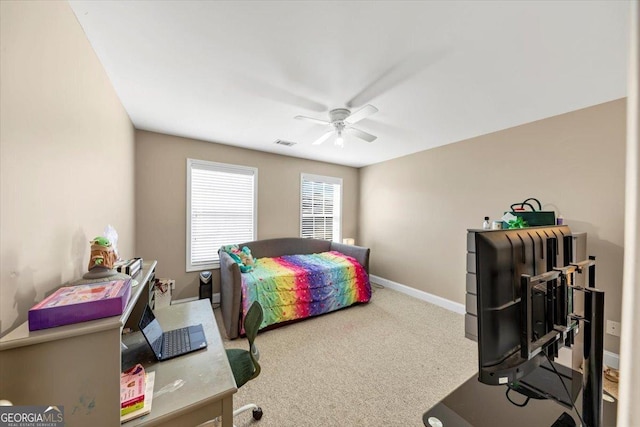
[(341, 121)]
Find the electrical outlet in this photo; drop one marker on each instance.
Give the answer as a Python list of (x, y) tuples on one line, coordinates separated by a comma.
[(613, 328), (215, 298)]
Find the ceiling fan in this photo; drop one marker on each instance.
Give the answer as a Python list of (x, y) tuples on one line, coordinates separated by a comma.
[(341, 121)]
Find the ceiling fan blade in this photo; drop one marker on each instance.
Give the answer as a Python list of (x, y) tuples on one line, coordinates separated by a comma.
[(361, 134), (311, 119), (323, 138), (362, 113), (264, 89), (397, 74)]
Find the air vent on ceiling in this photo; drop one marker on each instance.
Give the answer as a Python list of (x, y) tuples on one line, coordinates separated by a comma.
[(285, 143)]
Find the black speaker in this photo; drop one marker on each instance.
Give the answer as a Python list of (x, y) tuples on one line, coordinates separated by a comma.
[(205, 285)]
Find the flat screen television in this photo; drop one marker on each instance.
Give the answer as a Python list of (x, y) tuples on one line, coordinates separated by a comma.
[(505, 355), (524, 289)]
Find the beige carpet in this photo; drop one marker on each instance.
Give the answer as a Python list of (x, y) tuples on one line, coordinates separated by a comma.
[(380, 364)]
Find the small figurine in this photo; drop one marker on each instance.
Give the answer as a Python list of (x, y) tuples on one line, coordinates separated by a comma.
[(102, 259)]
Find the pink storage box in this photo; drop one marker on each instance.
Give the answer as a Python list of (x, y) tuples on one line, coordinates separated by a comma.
[(75, 304)]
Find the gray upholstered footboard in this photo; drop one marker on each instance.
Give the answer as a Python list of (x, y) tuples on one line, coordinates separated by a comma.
[(361, 254), (230, 294)]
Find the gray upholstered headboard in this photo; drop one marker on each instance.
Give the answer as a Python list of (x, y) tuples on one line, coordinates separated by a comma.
[(286, 246), (297, 245)]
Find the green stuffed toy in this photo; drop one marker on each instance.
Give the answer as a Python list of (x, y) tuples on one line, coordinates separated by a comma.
[(247, 258), (102, 253), (241, 257)]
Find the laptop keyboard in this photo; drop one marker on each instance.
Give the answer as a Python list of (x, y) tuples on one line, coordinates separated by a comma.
[(176, 342)]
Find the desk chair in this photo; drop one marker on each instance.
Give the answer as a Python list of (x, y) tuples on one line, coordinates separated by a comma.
[(244, 364)]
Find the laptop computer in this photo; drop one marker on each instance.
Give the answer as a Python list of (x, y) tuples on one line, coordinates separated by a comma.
[(166, 345)]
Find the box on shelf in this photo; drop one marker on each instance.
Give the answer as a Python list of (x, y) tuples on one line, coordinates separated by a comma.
[(79, 303), (162, 290)]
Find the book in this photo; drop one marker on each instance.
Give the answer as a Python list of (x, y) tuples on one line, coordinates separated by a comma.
[(130, 267), (132, 388), (79, 303), (148, 400), (135, 266)]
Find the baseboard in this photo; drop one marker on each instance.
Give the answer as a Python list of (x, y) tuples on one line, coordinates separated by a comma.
[(215, 299), (610, 359), (183, 300), (456, 307)]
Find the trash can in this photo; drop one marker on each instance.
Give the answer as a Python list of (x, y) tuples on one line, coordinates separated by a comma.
[(205, 285)]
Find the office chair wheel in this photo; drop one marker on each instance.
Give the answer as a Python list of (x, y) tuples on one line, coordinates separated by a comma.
[(257, 414)]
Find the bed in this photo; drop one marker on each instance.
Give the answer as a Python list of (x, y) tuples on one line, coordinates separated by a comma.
[(293, 279)]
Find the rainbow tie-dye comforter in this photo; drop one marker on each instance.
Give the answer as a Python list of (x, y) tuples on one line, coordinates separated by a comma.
[(298, 286)]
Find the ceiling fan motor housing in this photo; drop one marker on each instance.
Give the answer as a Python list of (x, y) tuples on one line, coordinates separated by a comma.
[(341, 120), (339, 114)]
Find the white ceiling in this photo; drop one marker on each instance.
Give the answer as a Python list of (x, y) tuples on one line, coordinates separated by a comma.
[(439, 72)]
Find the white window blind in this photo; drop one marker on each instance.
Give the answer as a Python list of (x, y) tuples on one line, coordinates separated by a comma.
[(320, 207), (221, 210)]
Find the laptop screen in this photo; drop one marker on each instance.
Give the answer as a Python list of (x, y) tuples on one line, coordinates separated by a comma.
[(151, 330)]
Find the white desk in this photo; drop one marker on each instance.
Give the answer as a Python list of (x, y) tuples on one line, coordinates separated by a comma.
[(75, 366), (188, 389)]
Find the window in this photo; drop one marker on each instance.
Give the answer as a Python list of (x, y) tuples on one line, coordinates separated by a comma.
[(221, 210), (320, 207)]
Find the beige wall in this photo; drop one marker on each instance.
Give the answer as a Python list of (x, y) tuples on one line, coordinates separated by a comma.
[(161, 198), (67, 170), (414, 211), (66, 155)]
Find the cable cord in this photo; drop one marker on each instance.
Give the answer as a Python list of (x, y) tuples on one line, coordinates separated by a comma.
[(565, 388), (520, 405)]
